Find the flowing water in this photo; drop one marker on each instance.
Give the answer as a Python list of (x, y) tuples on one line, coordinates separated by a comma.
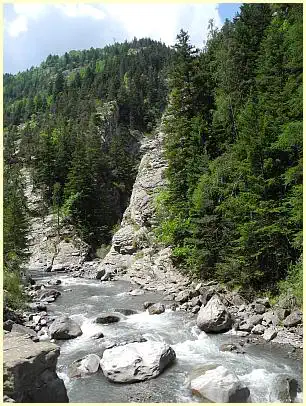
[(84, 300)]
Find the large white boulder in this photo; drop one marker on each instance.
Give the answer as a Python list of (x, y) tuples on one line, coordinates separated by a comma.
[(136, 362), (214, 317), (219, 385)]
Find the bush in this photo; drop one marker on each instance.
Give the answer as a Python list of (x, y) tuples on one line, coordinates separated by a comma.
[(293, 285), (12, 290)]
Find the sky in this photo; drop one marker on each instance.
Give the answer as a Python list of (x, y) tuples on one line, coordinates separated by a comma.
[(33, 31)]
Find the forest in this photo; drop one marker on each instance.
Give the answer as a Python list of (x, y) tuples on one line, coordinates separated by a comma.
[(232, 114)]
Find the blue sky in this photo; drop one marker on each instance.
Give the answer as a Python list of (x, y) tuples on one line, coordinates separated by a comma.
[(33, 31)]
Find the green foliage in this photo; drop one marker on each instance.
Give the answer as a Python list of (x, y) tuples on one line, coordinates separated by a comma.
[(76, 117), (232, 209)]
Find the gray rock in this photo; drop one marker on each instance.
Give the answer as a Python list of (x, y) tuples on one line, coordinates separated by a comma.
[(64, 328), (50, 293), (270, 318), (108, 318), (147, 304), (18, 328), (285, 388), (183, 296), (258, 329), (214, 317), (136, 292), (281, 313), (255, 319), (59, 267), (100, 273), (97, 336), (231, 347), (259, 308), (195, 309), (37, 306), (195, 301), (219, 385), (30, 371), (124, 240), (293, 319), (126, 312), (84, 366), (245, 326), (157, 308), (7, 325), (6, 399), (136, 362), (269, 334)]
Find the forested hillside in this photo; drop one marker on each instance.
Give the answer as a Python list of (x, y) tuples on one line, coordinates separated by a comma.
[(233, 124), (75, 124), (234, 147)]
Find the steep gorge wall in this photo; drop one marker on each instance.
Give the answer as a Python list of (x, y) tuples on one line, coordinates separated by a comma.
[(135, 251)]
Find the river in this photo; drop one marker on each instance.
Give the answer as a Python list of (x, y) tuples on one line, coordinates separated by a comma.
[(83, 300)]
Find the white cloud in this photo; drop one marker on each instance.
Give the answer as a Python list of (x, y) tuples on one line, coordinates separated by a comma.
[(31, 10), (82, 10), (17, 26), (158, 21), (163, 21)]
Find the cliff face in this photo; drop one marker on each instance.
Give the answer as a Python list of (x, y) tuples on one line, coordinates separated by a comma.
[(135, 251), (50, 244), (30, 371)]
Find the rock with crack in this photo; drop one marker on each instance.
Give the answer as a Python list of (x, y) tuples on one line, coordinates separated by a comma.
[(30, 371), (214, 317), (136, 362), (219, 385), (64, 328)]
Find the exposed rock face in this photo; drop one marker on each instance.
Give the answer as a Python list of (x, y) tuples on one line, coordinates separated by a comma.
[(214, 317), (134, 253), (64, 328), (48, 244), (30, 371), (136, 362), (219, 385)]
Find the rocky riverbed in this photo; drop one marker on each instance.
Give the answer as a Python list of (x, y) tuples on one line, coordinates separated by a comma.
[(134, 319)]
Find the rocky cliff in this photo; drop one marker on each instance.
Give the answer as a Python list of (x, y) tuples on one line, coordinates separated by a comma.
[(135, 251), (51, 245), (29, 371)]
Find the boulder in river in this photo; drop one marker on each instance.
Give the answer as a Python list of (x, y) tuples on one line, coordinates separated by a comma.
[(157, 308), (30, 371), (108, 318), (50, 294), (214, 317), (64, 328), (285, 388), (84, 366), (136, 362), (219, 385)]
